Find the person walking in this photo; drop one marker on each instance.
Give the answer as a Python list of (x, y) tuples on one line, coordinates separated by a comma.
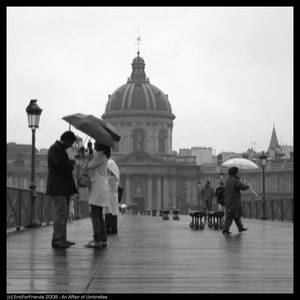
[(232, 200), (99, 194), (111, 217), (61, 186)]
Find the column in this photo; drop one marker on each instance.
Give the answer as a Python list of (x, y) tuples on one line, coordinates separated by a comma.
[(166, 194), (127, 190), (158, 194), (174, 204), (149, 205)]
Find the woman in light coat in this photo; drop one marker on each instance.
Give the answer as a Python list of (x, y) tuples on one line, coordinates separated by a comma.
[(111, 217), (99, 194)]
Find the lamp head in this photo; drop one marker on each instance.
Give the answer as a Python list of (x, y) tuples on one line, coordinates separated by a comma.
[(33, 113)]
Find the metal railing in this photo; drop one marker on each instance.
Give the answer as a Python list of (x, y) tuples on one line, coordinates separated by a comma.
[(276, 209), (18, 213)]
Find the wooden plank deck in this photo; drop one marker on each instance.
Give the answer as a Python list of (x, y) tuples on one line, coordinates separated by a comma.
[(151, 255)]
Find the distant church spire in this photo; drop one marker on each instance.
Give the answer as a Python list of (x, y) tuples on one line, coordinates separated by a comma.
[(274, 141)]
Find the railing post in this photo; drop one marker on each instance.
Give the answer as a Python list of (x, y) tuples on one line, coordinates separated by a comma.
[(272, 210), (281, 210), (256, 209), (249, 204), (19, 221), (42, 201), (49, 210), (292, 209)]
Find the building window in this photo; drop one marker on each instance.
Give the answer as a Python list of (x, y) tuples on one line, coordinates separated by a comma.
[(139, 140), (162, 141)]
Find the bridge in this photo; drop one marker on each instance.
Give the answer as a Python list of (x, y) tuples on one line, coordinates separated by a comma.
[(152, 255)]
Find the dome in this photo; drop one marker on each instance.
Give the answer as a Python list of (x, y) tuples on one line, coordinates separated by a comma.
[(138, 97)]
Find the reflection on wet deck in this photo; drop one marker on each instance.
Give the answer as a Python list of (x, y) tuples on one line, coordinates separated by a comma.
[(151, 255)]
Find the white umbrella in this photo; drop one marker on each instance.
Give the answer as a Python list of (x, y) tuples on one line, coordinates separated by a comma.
[(241, 163), (112, 166), (123, 205)]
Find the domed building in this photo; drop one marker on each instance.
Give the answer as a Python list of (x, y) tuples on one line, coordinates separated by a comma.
[(152, 175), (142, 113)]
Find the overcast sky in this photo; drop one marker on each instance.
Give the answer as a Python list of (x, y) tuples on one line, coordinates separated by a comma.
[(228, 71)]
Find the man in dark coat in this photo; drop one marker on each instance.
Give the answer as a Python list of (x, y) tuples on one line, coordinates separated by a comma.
[(61, 185), (232, 200)]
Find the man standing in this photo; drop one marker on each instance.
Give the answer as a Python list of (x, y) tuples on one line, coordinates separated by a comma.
[(207, 195), (232, 200), (61, 185)]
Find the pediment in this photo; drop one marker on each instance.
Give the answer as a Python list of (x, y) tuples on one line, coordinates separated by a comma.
[(140, 157)]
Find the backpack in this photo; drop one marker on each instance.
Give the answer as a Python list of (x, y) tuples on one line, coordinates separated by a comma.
[(220, 195)]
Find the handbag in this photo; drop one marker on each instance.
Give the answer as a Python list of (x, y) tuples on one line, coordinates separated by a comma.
[(84, 180)]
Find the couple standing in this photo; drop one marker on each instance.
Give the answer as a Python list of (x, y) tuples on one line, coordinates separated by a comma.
[(60, 185)]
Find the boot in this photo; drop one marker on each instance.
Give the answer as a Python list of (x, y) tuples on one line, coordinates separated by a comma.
[(114, 224), (108, 223)]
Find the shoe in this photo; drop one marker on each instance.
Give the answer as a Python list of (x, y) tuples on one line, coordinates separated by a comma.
[(226, 232), (60, 245), (93, 244), (103, 244), (70, 242), (243, 229)]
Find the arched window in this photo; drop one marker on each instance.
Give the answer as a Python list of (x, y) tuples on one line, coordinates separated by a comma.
[(162, 141), (138, 140)]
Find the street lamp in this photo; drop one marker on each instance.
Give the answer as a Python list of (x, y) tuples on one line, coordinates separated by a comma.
[(33, 112), (263, 158)]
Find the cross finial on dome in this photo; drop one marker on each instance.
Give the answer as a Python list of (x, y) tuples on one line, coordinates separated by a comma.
[(139, 41)]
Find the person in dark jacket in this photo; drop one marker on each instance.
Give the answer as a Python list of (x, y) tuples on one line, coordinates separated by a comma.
[(232, 200), (61, 185)]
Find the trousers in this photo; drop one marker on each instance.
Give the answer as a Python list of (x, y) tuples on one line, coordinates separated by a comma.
[(232, 215), (61, 204), (98, 222)]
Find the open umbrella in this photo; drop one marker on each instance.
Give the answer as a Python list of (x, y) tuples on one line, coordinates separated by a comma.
[(112, 166), (241, 163), (92, 126), (109, 127)]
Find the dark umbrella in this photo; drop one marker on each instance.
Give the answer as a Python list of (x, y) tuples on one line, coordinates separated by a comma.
[(92, 126), (110, 128)]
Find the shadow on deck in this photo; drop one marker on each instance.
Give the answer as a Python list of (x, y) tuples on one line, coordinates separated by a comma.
[(151, 255)]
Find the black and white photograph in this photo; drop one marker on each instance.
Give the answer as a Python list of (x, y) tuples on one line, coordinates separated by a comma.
[(150, 150)]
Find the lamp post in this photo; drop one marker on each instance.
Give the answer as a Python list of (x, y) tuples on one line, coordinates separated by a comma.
[(263, 158), (33, 112), (198, 193)]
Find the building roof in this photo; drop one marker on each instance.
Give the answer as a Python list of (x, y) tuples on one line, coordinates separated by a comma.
[(15, 150), (138, 96)]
